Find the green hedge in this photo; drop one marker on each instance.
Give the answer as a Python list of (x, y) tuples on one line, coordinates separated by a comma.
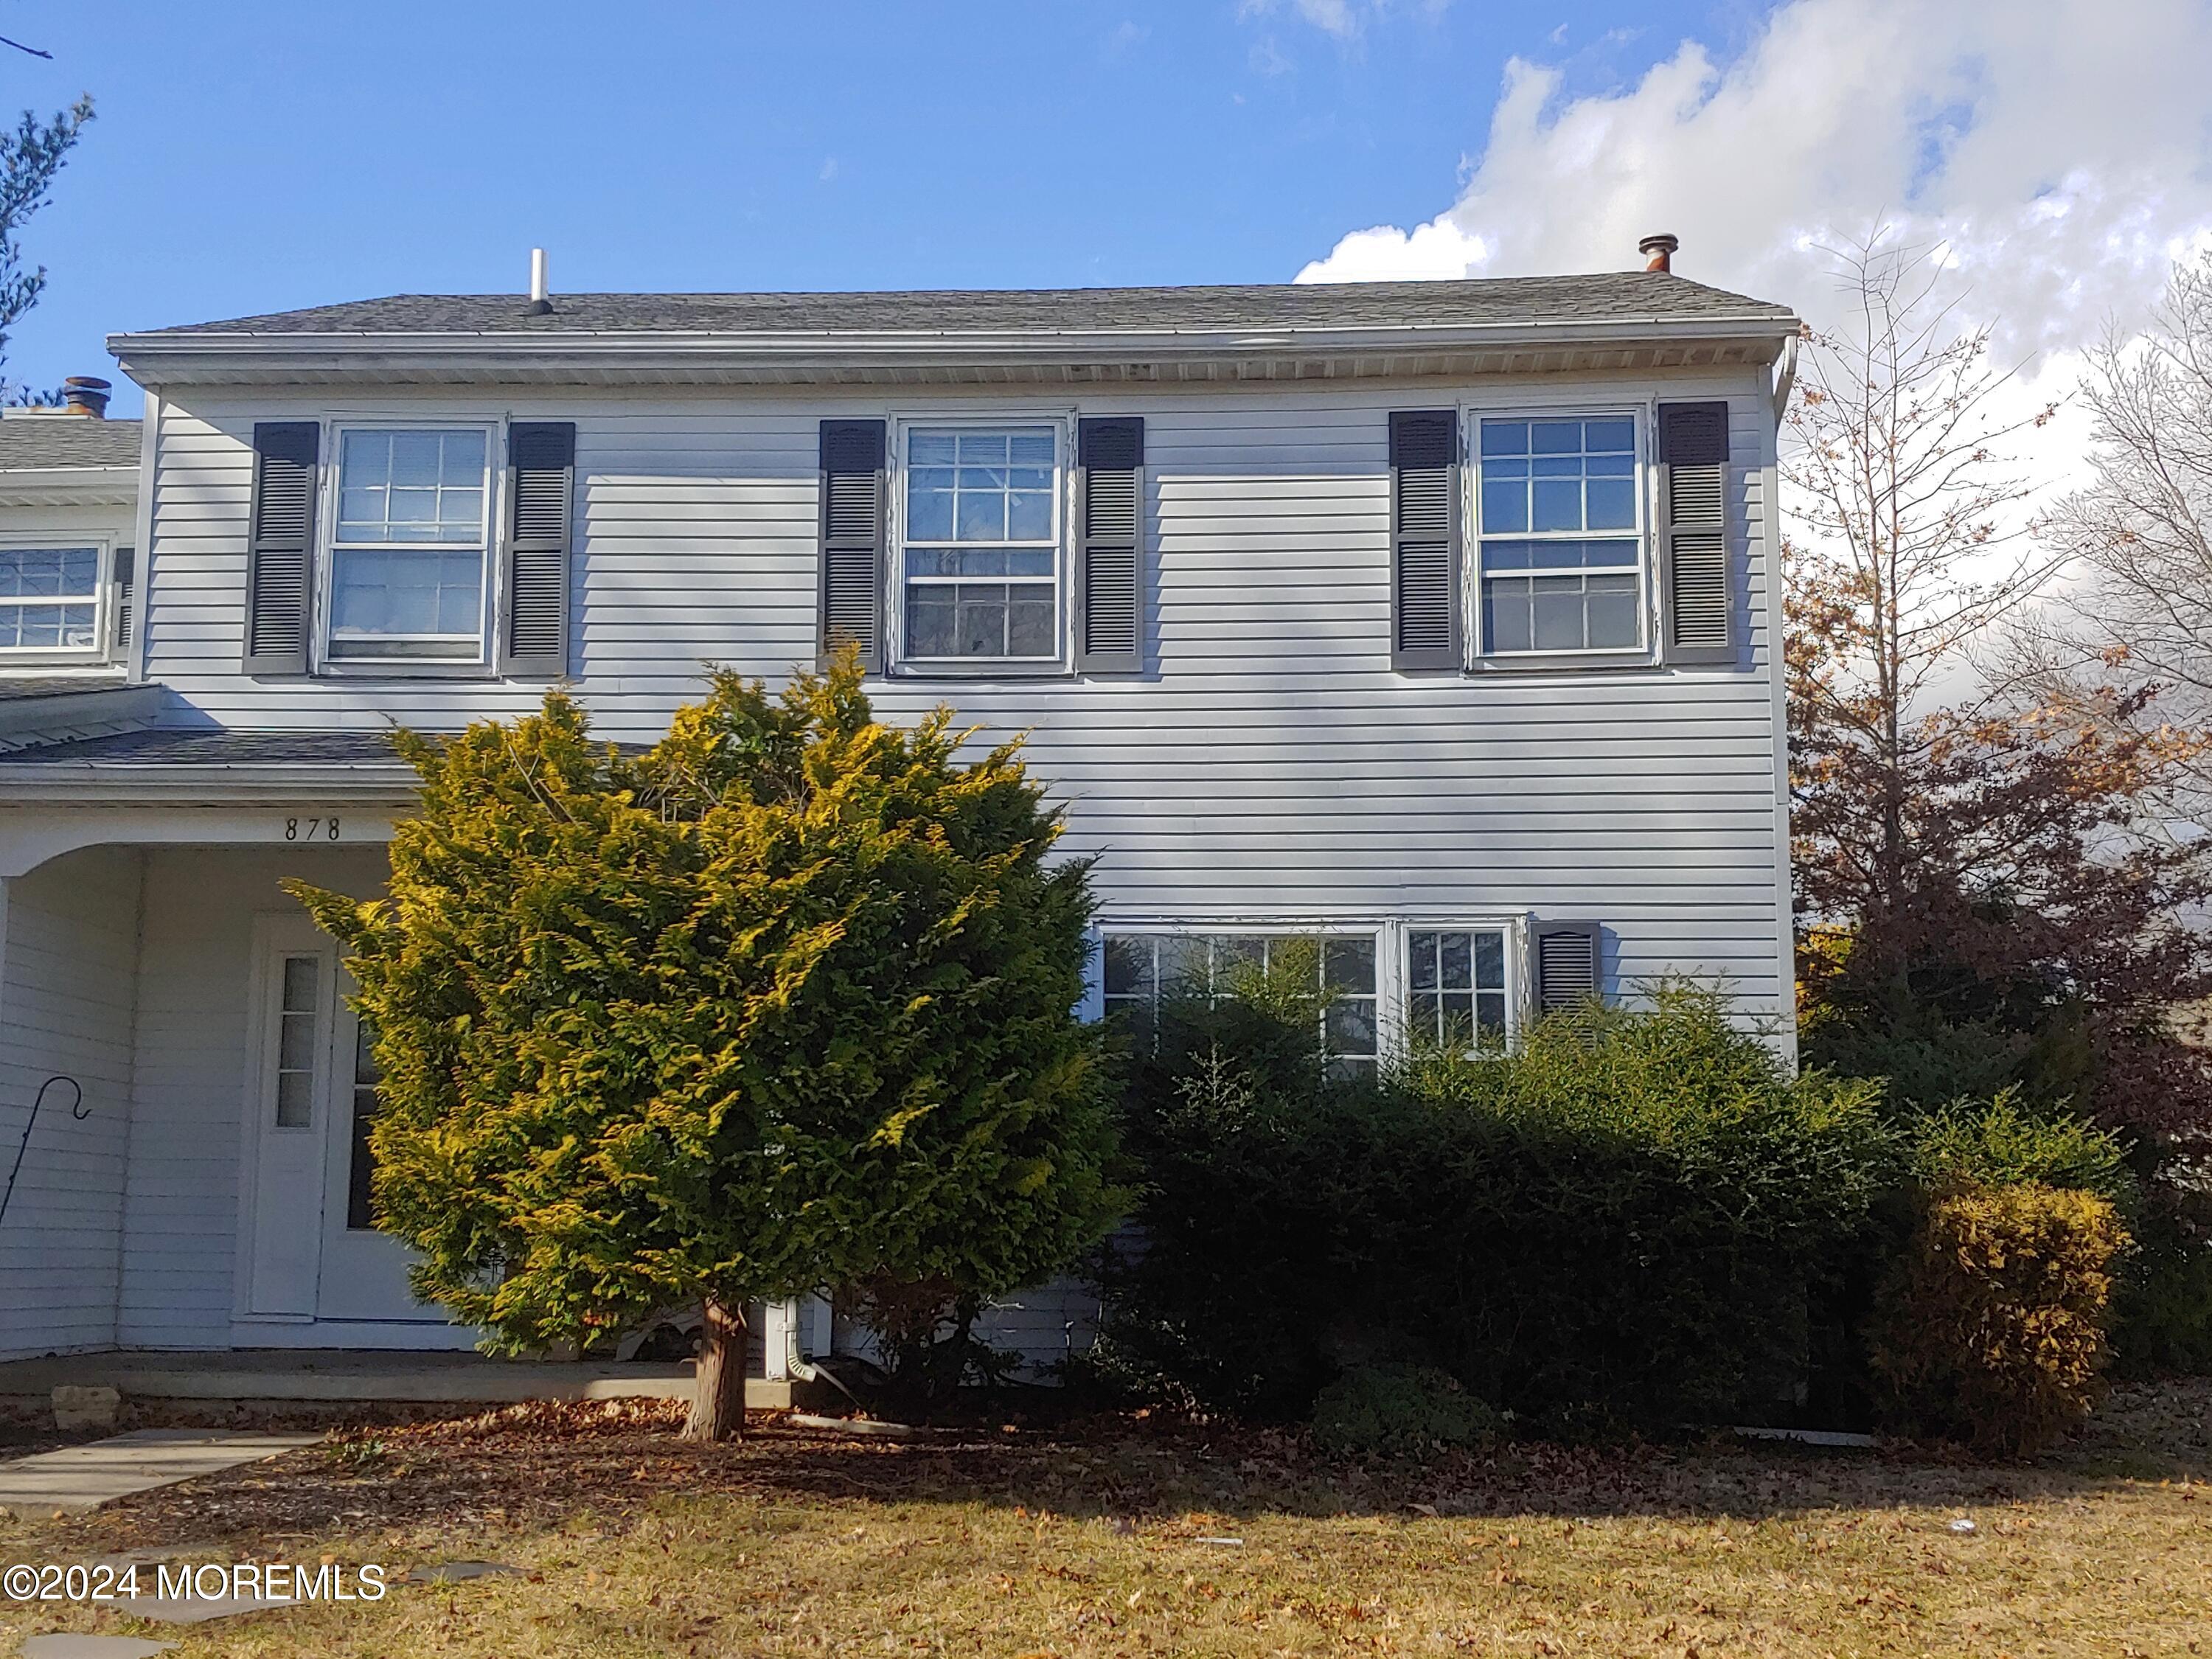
[(1630, 1219)]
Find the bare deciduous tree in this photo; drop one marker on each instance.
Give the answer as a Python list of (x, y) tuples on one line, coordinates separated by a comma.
[(2136, 610), (1907, 546), (1967, 859)]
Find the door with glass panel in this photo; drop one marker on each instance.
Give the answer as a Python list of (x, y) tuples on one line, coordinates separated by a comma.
[(288, 1108), (311, 1253)]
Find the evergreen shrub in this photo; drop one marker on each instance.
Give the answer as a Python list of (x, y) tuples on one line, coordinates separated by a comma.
[(1992, 1326)]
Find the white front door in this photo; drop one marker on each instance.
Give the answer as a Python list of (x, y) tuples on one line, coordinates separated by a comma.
[(311, 1253), (288, 1108)]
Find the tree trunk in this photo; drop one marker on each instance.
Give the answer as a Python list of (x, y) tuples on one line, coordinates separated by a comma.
[(718, 1400)]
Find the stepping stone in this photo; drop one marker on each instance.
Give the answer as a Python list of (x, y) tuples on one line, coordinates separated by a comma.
[(193, 1611), (452, 1572), (80, 1478), (91, 1647)]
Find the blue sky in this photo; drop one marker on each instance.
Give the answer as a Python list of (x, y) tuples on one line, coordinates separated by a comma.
[(252, 157)]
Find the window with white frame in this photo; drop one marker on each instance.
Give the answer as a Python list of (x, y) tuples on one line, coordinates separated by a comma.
[(1140, 969), (49, 600), (1561, 535), (979, 552), (1456, 993), (407, 548)]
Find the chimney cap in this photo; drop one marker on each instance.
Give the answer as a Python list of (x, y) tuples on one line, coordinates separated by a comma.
[(1659, 250), (87, 394)]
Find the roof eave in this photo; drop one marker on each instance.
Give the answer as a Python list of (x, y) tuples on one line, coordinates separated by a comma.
[(215, 358), (102, 782), (70, 486)]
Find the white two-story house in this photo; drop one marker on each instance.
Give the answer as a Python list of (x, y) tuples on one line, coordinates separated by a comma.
[(1438, 620)]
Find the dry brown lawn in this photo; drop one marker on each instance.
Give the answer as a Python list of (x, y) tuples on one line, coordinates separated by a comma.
[(1128, 1539)]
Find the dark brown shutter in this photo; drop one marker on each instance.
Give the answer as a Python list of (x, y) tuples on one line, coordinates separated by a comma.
[(280, 537), (541, 458), (1425, 629), (1110, 551), (1568, 965), (852, 580), (126, 560), (1694, 563)]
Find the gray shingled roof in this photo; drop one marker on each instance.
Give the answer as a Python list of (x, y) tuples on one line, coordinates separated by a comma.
[(215, 748), (42, 442), (22, 688), (1610, 296)]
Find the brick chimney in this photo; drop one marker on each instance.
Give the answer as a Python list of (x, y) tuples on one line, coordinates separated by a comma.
[(87, 394), (1658, 250)]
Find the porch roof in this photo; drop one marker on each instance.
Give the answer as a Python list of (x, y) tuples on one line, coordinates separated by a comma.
[(217, 764)]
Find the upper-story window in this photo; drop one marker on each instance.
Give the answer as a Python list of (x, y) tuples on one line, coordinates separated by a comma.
[(408, 546), (1560, 536), (50, 601), (981, 546)]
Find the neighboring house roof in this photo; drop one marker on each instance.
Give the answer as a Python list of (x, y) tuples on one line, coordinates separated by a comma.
[(1622, 320), (50, 442), (63, 710), (1609, 296)]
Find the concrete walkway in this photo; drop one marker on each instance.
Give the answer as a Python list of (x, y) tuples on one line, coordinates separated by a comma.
[(356, 1374), (80, 1478)]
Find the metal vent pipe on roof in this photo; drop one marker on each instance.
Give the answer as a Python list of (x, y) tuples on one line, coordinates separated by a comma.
[(1659, 251), (541, 300)]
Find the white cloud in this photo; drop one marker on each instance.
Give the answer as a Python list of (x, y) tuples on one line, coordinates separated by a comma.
[(2061, 148), (1345, 19)]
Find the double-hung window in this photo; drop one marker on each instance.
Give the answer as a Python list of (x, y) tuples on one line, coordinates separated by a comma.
[(408, 546), (1560, 537), (981, 551), (48, 601)]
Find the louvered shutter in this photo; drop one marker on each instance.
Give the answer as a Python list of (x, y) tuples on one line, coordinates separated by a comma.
[(1694, 456), (1425, 537), (127, 560), (1109, 563), (852, 580), (541, 458), (1568, 965), (280, 535)]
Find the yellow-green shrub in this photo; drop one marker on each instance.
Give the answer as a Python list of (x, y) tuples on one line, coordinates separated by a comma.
[(1992, 1328)]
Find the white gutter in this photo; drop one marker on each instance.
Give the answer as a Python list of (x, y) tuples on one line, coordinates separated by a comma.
[(118, 782)]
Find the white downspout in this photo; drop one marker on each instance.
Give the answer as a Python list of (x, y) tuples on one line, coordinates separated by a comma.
[(1786, 378)]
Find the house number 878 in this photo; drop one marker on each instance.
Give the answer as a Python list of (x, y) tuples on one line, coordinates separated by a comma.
[(311, 829)]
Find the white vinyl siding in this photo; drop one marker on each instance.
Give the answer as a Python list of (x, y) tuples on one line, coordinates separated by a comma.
[(1273, 766), (69, 939)]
